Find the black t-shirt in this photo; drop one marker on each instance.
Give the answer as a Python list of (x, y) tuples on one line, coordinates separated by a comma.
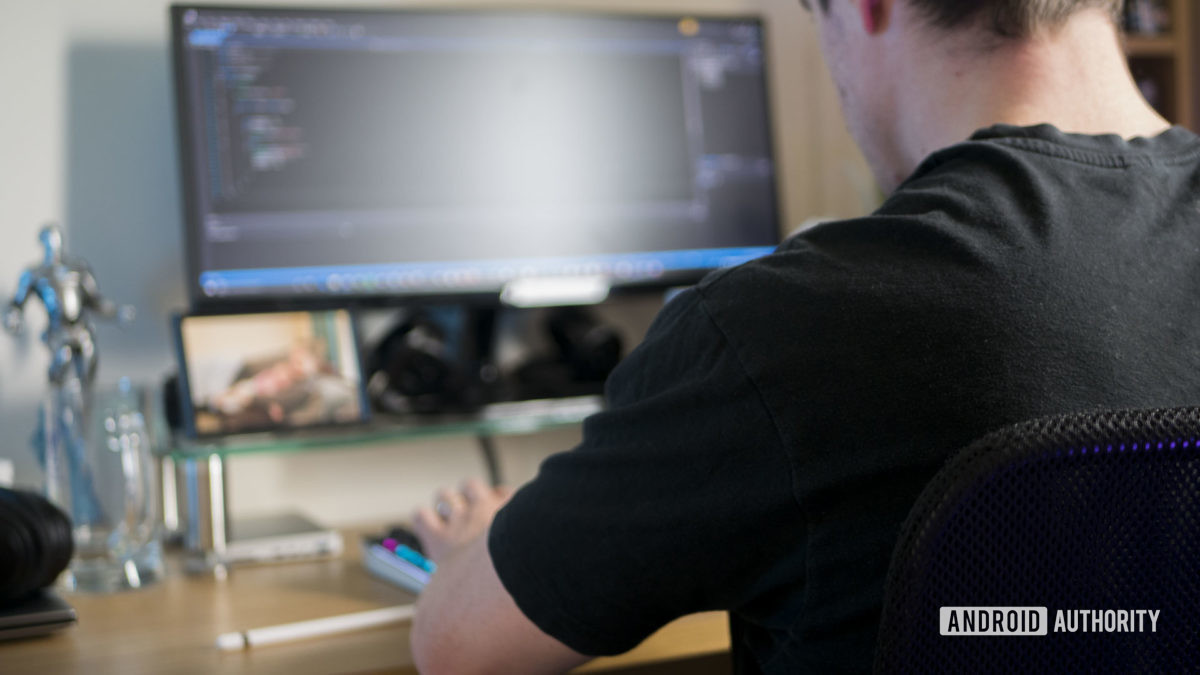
[(763, 445)]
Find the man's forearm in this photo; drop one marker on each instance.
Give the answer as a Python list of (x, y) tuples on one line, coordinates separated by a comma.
[(467, 623)]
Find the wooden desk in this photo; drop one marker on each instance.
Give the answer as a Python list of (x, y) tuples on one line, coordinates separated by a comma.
[(171, 627)]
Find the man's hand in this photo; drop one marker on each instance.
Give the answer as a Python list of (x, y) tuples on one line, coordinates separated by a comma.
[(458, 517)]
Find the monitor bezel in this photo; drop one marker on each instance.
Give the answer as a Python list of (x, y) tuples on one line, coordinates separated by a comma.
[(200, 303)]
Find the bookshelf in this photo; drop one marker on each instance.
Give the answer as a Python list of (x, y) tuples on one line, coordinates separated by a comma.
[(1159, 42)]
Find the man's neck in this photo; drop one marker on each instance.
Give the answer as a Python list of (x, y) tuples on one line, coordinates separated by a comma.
[(1075, 78)]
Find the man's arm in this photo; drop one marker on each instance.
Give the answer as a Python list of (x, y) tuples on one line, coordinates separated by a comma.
[(466, 622), (678, 499)]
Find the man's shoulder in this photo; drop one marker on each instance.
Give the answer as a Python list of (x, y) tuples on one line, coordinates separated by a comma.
[(850, 260), (966, 208)]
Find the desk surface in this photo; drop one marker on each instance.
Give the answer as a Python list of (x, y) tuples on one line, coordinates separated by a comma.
[(172, 626)]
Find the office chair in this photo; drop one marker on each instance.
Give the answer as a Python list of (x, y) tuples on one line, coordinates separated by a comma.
[(1097, 511)]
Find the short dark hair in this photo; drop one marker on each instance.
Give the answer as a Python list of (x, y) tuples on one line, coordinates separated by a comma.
[(1006, 18)]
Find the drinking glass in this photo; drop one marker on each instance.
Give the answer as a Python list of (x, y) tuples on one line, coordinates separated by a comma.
[(99, 470)]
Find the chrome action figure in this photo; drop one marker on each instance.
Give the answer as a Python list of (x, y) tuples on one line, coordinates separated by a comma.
[(69, 294)]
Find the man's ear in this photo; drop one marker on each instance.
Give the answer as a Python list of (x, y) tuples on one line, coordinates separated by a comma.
[(875, 15)]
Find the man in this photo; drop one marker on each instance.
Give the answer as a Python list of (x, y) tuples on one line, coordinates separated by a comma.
[(1039, 254)]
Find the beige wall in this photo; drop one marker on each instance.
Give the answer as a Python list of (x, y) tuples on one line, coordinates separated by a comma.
[(86, 137)]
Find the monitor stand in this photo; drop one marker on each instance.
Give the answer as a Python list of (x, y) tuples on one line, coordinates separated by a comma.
[(555, 291)]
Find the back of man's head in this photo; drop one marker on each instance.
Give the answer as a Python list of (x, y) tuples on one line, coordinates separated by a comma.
[(915, 76), (1009, 18), (1006, 18)]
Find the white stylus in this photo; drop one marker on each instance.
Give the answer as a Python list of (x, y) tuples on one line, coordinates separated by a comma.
[(299, 630)]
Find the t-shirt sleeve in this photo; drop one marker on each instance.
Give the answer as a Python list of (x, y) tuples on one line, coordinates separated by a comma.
[(679, 498)]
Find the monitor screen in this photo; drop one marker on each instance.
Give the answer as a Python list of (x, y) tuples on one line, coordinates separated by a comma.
[(384, 153)]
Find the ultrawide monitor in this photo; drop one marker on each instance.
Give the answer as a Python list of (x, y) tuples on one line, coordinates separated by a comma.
[(380, 153)]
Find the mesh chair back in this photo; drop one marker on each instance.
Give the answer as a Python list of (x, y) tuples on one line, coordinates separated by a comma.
[(1082, 512)]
